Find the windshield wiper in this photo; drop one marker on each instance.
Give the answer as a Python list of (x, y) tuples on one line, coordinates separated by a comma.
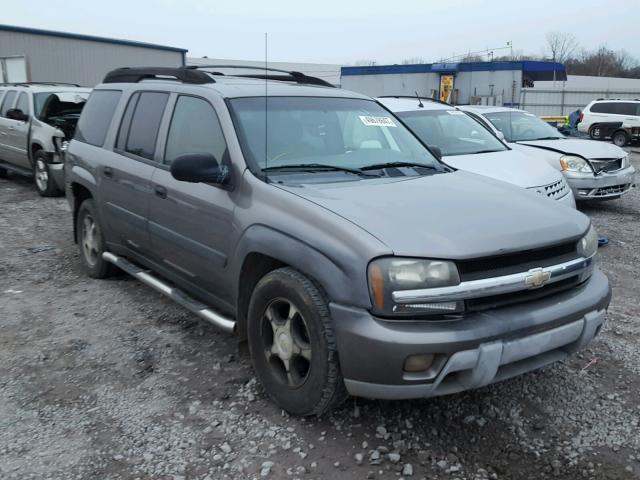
[(485, 151), (379, 166), (310, 167), (541, 138)]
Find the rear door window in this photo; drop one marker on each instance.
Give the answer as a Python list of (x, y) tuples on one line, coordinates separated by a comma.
[(7, 102), (195, 128), (96, 116), (141, 122)]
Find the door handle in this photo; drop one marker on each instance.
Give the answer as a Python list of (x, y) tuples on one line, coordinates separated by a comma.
[(161, 191), (108, 172)]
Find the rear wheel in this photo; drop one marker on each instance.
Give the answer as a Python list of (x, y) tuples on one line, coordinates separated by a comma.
[(292, 344), (620, 138), (45, 185), (91, 241), (595, 132)]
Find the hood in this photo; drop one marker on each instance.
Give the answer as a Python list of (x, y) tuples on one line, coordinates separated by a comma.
[(590, 149), (509, 166), (452, 216)]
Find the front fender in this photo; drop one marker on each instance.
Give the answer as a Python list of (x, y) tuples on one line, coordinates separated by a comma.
[(342, 274)]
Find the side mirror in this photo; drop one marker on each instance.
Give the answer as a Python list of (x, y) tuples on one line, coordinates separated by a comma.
[(500, 135), (17, 114), (200, 167), (436, 152)]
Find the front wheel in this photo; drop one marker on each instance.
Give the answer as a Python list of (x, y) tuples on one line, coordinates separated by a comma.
[(45, 184), (292, 344), (91, 241), (620, 138)]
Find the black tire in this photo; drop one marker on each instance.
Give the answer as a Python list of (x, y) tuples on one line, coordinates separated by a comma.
[(620, 138), (595, 132), (3, 172), (45, 184), (315, 384), (93, 263)]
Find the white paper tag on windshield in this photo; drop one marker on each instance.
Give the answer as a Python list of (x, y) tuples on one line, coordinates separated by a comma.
[(377, 121), (454, 112)]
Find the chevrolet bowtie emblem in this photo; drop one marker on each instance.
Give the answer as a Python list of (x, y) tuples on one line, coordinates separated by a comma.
[(537, 278)]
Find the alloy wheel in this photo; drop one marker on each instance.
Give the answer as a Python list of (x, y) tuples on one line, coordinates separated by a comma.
[(285, 337), (41, 175), (90, 240)]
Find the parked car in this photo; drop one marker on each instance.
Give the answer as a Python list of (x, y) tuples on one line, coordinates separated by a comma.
[(594, 170), (309, 221), (36, 121), (612, 118), (469, 145)]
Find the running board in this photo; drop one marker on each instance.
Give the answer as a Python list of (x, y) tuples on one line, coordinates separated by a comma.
[(173, 293)]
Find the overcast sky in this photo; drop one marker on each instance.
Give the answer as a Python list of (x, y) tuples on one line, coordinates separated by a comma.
[(344, 31)]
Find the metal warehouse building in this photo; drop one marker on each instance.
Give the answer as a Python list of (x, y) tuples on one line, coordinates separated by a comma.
[(31, 55), (487, 83)]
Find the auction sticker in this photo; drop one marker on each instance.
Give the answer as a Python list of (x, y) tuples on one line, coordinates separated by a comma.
[(377, 121)]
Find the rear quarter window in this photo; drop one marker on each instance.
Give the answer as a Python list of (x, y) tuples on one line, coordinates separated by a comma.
[(7, 102), (96, 117)]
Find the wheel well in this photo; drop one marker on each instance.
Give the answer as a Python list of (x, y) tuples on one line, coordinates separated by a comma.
[(35, 148), (621, 130), (255, 266), (80, 194)]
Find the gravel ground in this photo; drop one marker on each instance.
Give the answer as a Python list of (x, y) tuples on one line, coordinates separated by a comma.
[(107, 379)]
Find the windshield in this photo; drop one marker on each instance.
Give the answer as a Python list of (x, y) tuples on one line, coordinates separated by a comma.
[(518, 126), (452, 131), (334, 132), (64, 102)]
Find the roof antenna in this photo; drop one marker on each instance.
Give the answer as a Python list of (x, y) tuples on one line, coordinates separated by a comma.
[(266, 103), (420, 104)]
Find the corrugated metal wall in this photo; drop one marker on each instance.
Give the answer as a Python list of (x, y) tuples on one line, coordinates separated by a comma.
[(57, 59), (562, 102)]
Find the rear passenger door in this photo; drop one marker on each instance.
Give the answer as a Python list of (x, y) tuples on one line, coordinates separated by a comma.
[(125, 175), (190, 223)]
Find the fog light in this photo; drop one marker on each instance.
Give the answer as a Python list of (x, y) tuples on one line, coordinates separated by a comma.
[(418, 363)]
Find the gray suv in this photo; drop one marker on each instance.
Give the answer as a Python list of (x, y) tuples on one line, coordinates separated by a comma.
[(312, 223)]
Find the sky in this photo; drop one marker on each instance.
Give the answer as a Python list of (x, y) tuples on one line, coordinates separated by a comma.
[(338, 31)]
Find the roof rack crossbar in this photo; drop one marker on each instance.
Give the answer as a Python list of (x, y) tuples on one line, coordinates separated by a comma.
[(415, 97), (289, 76), (137, 74)]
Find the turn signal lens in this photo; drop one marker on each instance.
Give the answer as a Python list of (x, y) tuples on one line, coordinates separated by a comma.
[(564, 165), (376, 283)]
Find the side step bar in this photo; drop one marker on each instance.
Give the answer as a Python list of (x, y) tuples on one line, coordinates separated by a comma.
[(173, 293)]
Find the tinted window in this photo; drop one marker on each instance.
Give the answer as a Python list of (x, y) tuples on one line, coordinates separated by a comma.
[(144, 123), (195, 128), (96, 116), (522, 126), (23, 103), (7, 102), (615, 108)]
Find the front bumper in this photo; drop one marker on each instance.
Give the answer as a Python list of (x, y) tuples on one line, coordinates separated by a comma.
[(568, 200), (482, 348), (602, 186)]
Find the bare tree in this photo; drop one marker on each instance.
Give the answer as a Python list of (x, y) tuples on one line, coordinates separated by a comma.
[(413, 60), (365, 63), (561, 45)]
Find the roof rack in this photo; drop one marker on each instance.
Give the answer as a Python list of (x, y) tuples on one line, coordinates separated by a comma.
[(137, 74), (289, 76), (26, 84), (416, 97)]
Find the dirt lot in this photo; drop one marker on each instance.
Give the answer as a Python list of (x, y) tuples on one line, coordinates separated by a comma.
[(108, 380)]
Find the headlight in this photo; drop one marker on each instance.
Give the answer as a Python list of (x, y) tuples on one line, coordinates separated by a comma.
[(588, 245), (625, 161), (393, 274), (571, 163)]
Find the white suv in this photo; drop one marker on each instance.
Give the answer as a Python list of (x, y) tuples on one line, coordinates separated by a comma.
[(617, 119)]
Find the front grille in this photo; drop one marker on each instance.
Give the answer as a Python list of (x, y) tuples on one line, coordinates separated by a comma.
[(607, 164), (554, 191), (496, 301), (498, 265), (613, 190)]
